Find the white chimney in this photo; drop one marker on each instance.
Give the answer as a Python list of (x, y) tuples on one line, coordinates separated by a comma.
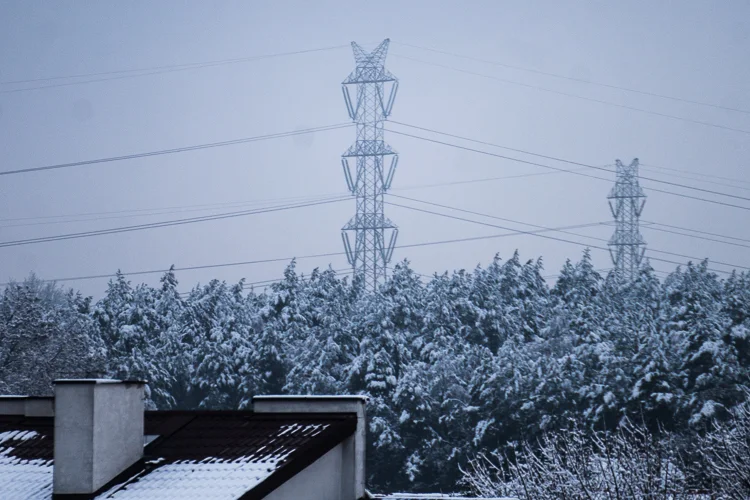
[(98, 432), (353, 447)]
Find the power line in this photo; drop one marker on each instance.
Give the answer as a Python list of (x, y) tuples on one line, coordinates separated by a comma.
[(153, 225), (298, 257), (594, 167), (532, 233), (575, 96), (695, 236), (579, 80), (650, 166), (686, 175), (702, 232), (215, 206), (178, 150), (691, 176), (472, 181), (159, 210), (559, 230), (511, 232), (94, 216), (487, 153), (195, 268), (578, 226), (649, 224), (154, 70), (148, 212)]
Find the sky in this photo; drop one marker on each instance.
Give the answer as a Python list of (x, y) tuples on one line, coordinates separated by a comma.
[(691, 50)]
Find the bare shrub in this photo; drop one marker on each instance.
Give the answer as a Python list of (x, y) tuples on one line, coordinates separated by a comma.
[(726, 453), (629, 463)]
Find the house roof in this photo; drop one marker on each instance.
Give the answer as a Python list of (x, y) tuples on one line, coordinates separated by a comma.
[(189, 454)]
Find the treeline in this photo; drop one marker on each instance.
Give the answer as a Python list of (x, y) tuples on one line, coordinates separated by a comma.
[(460, 364)]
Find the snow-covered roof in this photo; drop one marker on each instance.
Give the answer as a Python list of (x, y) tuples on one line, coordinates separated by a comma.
[(196, 455), (25, 465), (209, 478)]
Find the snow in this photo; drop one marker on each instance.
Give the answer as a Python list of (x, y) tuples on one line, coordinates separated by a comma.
[(22, 479), (312, 397), (200, 480), (17, 435), (707, 411), (302, 429)]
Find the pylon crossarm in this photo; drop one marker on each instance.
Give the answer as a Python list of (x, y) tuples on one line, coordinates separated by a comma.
[(391, 98), (640, 208), (391, 172), (348, 101), (348, 248)]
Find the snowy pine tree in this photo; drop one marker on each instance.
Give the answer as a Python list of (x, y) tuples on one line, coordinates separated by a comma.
[(325, 349), (45, 333), (217, 335), (709, 371)]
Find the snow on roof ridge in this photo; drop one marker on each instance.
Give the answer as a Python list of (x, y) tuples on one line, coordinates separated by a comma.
[(214, 479), (357, 397), (96, 381), (18, 435)]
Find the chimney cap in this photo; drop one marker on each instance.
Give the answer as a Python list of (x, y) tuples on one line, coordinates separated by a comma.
[(282, 397), (97, 381)]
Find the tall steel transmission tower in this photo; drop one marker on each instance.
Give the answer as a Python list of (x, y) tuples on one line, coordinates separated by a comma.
[(371, 175), (626, 200)]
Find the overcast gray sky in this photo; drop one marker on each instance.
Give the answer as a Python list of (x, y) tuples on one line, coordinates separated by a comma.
[(696, 50)]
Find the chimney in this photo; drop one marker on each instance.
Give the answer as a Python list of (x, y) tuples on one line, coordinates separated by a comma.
[(98, 432), (28, 406), (354, 446)]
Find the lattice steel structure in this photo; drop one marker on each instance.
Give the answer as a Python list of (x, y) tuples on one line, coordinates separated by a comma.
[(626, 200), (369, 164)]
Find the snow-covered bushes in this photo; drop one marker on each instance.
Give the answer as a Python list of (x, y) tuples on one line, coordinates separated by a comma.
[(725, 452), (628, 463)]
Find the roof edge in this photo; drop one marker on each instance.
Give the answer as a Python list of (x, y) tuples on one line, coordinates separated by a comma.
[(66, 381), (299, 463), (322, 397)]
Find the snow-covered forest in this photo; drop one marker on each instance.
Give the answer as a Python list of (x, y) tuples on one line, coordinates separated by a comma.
[(461, 365)]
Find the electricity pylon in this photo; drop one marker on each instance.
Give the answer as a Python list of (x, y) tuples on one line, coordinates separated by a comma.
[(369, 106), (626, 200)]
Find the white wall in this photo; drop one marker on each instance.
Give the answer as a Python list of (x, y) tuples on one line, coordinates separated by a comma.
[(353, 447), (322, 480)]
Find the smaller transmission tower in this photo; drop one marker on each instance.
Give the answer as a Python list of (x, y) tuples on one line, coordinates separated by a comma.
[(626, 200), (374, 234)]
